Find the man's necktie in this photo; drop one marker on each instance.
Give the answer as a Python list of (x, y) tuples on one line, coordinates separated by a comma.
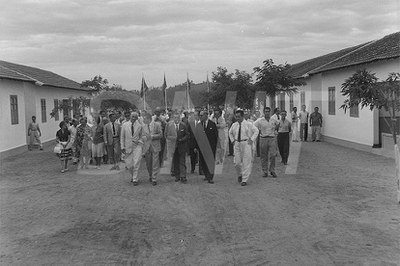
[(240, 132), (113, 129), (132, 129)]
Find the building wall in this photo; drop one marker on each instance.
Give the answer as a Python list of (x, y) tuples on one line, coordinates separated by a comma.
[(29, 104), (11, 136), (363, 129)]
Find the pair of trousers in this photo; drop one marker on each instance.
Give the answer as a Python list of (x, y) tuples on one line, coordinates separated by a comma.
[(295, 131), (303, 131), (133, 161), (152, 164), (114, 151), (193, 159), (283, 145), (316, 132), (243, 159), (179, 164), (268, 154)]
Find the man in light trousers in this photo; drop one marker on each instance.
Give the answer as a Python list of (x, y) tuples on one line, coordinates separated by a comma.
[(242, 134), (132, 140), (268, 144)]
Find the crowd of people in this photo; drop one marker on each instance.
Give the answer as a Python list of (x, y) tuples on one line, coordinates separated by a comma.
[(166, 139)]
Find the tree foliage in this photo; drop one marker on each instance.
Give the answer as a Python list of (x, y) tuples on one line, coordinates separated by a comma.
[(223, 81), (98, 84), (364, 88), (274, 79)]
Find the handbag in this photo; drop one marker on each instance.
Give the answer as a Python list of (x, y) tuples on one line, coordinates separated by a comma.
[(57, 148)]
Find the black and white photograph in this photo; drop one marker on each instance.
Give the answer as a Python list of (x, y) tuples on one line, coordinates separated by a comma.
[(200, 132)]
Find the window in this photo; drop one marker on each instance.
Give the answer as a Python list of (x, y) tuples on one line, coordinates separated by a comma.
[(57, 113), (272, 102), (331, 101), (14, 109), (291, 105), (43, 110), (282, 101), (303, 98), (66, 104), (75, 108)]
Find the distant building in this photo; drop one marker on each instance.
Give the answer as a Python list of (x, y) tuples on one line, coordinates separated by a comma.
[(26, 91), (359, 128)]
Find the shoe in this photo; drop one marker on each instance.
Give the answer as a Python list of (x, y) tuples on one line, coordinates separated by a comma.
[(135, 183), (240, 179), (244, 184), (62, 171), (184, 180), (65, 170), (154, 183), (285, 163), (265, 175), (273, 174), (210, 182), (117, 167), (41, 149), (112, 168), (318, 140), (177, 179)]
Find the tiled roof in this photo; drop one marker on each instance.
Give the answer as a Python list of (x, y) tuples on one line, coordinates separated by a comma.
[(25, 73), (305, 67), (385, 48)]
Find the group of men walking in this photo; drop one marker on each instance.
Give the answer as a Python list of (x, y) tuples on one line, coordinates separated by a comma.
[(202, 136)]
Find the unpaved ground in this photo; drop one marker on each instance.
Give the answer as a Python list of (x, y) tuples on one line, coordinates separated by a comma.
[(339, 208)]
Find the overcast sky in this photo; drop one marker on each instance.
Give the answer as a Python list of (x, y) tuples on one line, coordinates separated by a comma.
[(122, 39)]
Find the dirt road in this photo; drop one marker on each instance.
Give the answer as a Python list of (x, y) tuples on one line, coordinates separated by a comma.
[(337, 208)]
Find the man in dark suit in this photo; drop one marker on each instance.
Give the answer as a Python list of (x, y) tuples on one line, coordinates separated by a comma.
[(178, 135), (206, 135), (194, 121)]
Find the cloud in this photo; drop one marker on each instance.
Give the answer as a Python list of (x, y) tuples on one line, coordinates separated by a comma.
[(121, 39)]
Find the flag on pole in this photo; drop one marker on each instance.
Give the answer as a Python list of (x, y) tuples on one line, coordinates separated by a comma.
[(164, 89), (188, 92), (144, 88)]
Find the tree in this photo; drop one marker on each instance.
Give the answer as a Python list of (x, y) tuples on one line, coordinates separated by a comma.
[(222, 82), (364, 88), (98, 84), (274, 79)]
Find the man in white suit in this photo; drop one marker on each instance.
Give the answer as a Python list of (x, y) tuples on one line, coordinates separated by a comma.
[(152, 146), (132, 140), (242, 134)]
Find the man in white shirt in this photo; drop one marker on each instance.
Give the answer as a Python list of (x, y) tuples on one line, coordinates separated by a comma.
[(242, 134), (295, 129), (303, 123), (268, 145)]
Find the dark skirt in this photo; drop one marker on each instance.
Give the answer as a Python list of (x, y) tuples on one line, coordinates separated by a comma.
[(66, 154)]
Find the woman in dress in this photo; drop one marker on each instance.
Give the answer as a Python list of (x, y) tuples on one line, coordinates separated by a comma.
[(98, 142), (82, 140), (34, 134), (63, 137)]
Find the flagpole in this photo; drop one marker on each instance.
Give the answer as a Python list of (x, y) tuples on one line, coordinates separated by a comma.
[(208, 88), (165, 94), (187, 90)]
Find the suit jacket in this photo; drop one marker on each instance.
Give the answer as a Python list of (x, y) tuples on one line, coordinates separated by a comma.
[(108, 132), (153, 137), (129, 142), (177, 140), (206, 138)]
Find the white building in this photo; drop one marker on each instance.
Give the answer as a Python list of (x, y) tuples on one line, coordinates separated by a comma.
[(27, 91), (359, 128)]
